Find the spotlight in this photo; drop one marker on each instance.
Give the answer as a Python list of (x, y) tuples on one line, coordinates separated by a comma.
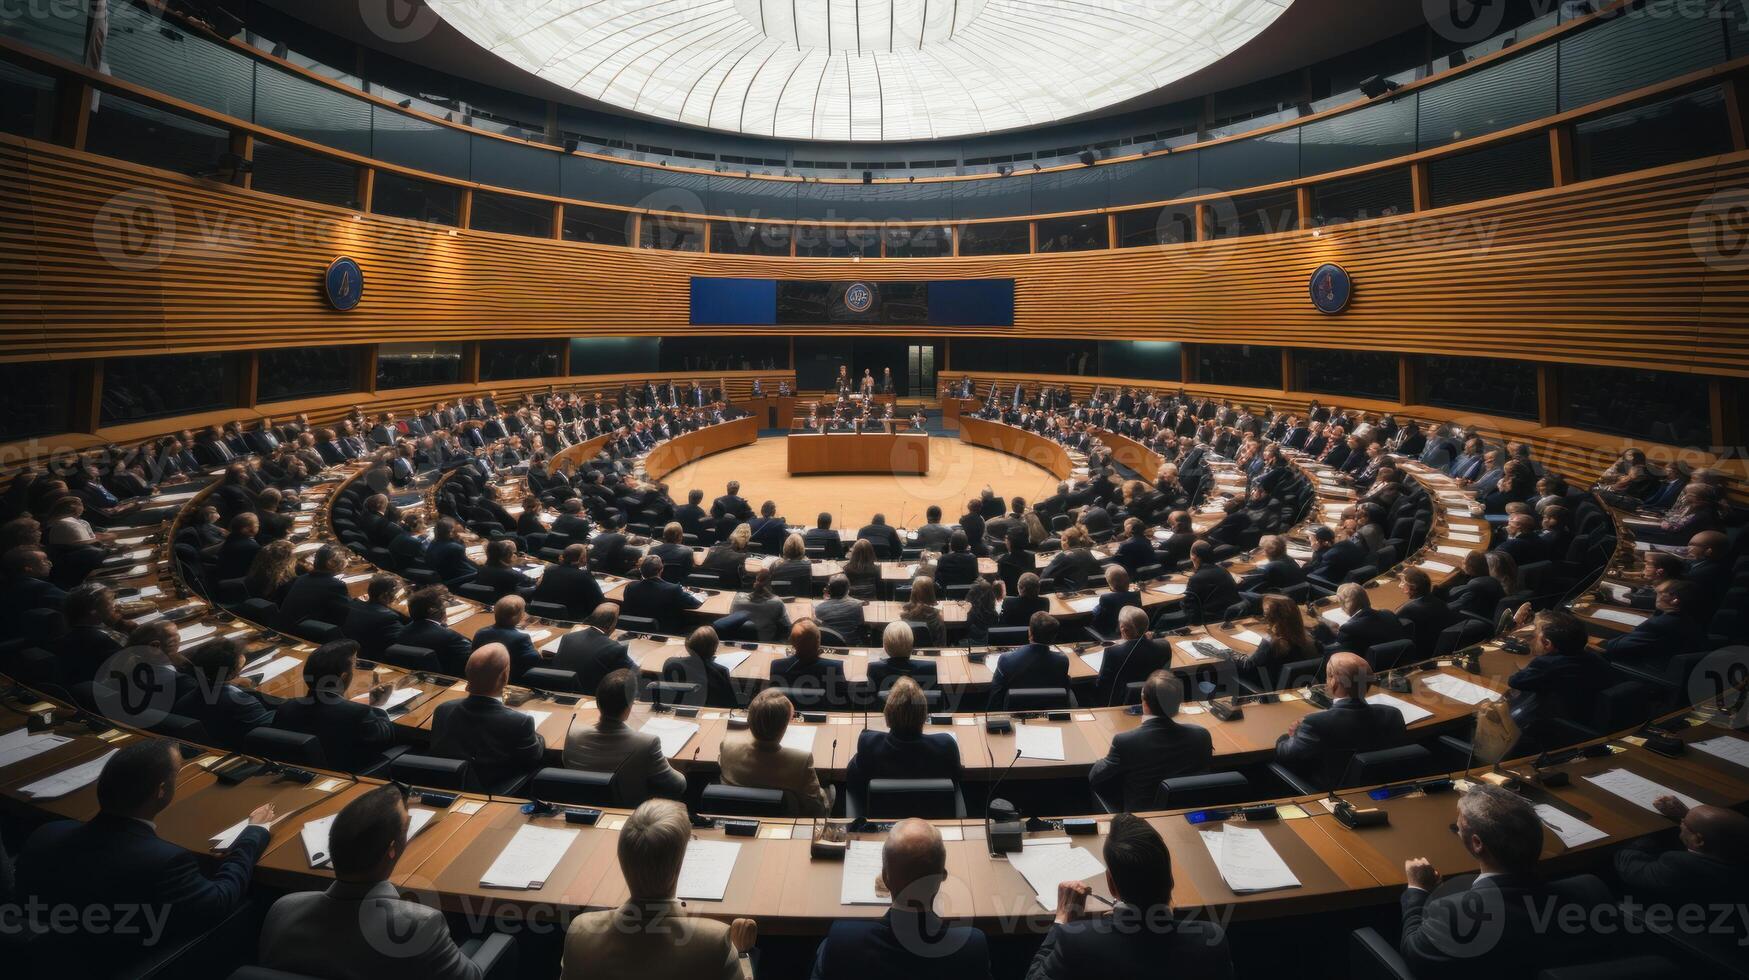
[(1376, 85), (1004, 170), (1088, 159), (911, 179), (1036, 168), (570, 146), (406, 103)]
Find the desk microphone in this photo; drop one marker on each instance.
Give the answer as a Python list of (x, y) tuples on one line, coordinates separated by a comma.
[(1005, 835)]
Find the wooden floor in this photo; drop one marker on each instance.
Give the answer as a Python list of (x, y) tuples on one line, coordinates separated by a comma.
[(957, 472)]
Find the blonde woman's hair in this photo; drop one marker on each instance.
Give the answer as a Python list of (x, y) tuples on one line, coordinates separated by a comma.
[(898, 640)]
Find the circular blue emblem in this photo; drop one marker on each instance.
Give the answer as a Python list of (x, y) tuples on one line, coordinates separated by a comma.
[(1331, 288), (343, 284), (859, 297)]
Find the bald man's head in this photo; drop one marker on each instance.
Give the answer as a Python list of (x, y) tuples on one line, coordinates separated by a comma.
[(1716, 832), (488, 670), (1707, 545), (913, 863), (1347, 674)]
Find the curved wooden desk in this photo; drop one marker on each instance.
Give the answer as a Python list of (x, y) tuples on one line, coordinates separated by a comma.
[(690, 447), (897, 453), (571, 457), (1033, 448)]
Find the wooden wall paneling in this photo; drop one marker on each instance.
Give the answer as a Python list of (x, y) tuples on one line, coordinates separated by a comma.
[(1734, 109), (1561, 154), (243, 147)]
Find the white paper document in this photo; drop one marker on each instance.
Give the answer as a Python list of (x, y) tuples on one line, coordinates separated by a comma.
[(273, 668), (1048, 863), (1732, 750), (1458, 689), (1453, 550), (1085, 604), (1436, 568), (1335, 617), (733, 658), (1247, 861), (1248, 636), (530, 856), (19, 745), (67, 780), (862, 867), (799, 737), (539, 717), (223, 840), (1572, 831), (397, 697), (704, 875), (1039, 742), (1411, 713), (1172, 588), (196, 631), (1621, 616), (673, 732), (315, 834), (1094, 659), (1635, 788)]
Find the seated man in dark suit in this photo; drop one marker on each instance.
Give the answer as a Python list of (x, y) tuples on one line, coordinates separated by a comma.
[(1562, 680), (375, 623), (933, 535), (427, 630), (805, 670), (318, 594), (1318, 746), (903, 751), (499, 743), (731, 505), (1235, 523), (1031, 666), (1136, 550), (1503, 833), (690, 515), (884, 538), (447, 556), (1128, 778), (823, 537), (1669, 631), (591, 652), (1176, 547), (698, 666), (221, 700), (958, 566), (677, 558), (571, 523), (1139, 939), (570, 583), (353, 735), (909, 940), (1018, 609), (1708, 863), (1132, 658), (1429, 613), (1276, 572), (1333, 559), (652, 598), (26, 587), (769, 529), (609, 550), (499, 572), (1210, 591), (508, 615), (1113, 602), (1362, 626), (1522, 541), (115, 865)]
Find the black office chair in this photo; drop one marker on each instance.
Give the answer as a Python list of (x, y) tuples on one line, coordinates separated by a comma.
[(1196, 792), (317, 632), (1389, 655), (1007, 636), (638, 624), (897, 799), (412, 658), (430, 771), (551, 679), (1037, 699), (720, 799), (277, 744), (672, 692), (573, 787), (1390, 765)]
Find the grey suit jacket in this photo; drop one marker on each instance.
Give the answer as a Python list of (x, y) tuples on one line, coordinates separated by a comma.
[(654, 941), (361, 932), (640, 769)]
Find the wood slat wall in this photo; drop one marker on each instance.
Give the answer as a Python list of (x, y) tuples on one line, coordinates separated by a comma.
[(1605, 272)]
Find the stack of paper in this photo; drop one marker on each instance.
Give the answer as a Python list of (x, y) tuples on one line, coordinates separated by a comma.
[(799, 737), (1572, 831), (530, 856), (67, 780), (1248, 636), (1334, 616), (19, 744), (673, 732), (1635, 788), (704, 875), (1732, 750), (1094, 659), (539, 717), (1039, 742), (730, 659), (1172, 588), (1458, 689), (1411, 713), (271, 668), (196, 631), (1048, 862), (862, 870), (1247, 861), (1620, 616), (399, 696), (315, 834)]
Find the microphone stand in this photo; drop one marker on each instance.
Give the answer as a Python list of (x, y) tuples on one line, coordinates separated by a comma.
[(1005, 836)]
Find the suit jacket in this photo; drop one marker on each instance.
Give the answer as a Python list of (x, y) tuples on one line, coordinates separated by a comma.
[(1652, 870), (235, 556), (882, 534), (1214, 591), (353, 735), (1110, 605), (1135, 553), (920, 669), (933, 537), (571, 587), (956, 568), (664, 602), (1126, 662), (452, 648), (1126, 946), (498, 741), (1657, 639), (591, 655), (1319, 751), (1438, 938), (746, 762), (1272, 576), (1072, 569), (1368, 628), (1159, 748), (825, 674), (375, 627), (1017, 610), (655, 941), (712, 678), (639, 768), (523, 655), (842, 615), (826, 539), (116, 863), (885, 755), (318, 596), (677, 561), (228, 714), (1032, 665), (502, 580), (902, 943), (449, 559)]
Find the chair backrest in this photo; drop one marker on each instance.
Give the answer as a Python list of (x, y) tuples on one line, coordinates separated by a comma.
[(412, 658), (931, 696), (921, 634), (1390, 765), (638, 624), (550, 679), (316, 631), (1362, 574), (1007, 636), (1464, 633), (1208, 789), (186, 729), (574, 787), (830, 637), (930, 799), (672, 692), (280, 745), (741, 801), (429, 770), (1037, 698), (1390, 654), (1299, 673)]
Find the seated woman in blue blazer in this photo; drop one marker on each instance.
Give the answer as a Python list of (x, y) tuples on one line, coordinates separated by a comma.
[(902, 751)]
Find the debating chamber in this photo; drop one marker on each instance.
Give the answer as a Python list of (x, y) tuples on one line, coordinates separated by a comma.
[(874, 489)]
